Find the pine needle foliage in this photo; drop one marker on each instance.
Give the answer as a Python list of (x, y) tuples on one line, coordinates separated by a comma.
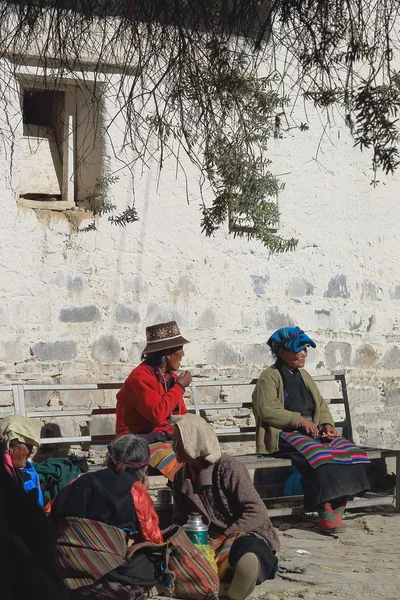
[(190, 83)]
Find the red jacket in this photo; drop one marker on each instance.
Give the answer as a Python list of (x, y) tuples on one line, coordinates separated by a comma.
[(143, 404)]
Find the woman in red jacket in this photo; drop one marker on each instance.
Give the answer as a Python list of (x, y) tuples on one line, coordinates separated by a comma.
[(153, 393)]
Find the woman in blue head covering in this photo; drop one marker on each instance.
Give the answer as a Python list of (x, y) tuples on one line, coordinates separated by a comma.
[(293, 421)]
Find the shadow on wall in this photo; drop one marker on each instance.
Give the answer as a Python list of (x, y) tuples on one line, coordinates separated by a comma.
[(57, 450)]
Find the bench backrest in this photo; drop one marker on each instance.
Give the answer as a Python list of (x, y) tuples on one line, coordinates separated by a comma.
[(335, 395), (333, 389)]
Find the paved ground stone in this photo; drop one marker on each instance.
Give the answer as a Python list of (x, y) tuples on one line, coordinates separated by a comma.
[(362, 563)]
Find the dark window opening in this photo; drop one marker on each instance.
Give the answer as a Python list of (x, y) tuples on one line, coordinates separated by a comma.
[(43, 134), (39, 107)]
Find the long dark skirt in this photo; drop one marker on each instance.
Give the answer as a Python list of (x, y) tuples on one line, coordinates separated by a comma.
[(326, 482)]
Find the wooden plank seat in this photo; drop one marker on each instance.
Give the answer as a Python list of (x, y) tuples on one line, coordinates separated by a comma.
[(339, 406), (336, 398)]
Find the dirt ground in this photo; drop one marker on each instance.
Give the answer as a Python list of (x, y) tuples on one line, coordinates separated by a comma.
[(361, 563)]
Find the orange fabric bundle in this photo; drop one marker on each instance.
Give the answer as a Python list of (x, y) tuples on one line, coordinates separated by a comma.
[(147, 517)]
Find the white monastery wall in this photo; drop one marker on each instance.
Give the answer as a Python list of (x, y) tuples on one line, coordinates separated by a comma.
[(74, 306)]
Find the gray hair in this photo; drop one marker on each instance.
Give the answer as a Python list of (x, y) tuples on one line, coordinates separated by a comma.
[(129, 452)]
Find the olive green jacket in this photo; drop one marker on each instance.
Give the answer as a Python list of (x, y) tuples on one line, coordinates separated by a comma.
[(271, 415)]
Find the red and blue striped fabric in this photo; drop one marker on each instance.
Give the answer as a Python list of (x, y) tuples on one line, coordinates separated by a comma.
[(195, 578), (87, 550), (338, 451), (192, 577), (222, 555)]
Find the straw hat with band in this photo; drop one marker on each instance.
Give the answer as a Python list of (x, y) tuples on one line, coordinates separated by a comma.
[(163, 336)]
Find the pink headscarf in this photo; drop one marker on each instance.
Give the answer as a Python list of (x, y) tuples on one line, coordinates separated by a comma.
[(8, 464)]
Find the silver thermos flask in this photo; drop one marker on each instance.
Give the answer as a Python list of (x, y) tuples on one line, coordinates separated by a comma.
[(196, 530)]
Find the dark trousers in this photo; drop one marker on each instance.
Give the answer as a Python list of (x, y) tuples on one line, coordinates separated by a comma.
[(251, 543)]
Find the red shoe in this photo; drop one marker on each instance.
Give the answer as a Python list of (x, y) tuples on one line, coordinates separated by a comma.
[(340, 505), (329, 520), (327, 525), (338, 519)]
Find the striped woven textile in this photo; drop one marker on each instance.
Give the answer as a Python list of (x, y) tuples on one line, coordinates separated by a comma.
[(192, 577), (162, 457), (222, 555), (87, 550), (195, 578), (338, 451)]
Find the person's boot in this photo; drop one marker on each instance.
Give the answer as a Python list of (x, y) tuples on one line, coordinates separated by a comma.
[(329, 520), (339, 507), (245, 577)]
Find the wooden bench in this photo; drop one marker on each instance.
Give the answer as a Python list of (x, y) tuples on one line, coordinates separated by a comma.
[(339, 406), (278, 505)]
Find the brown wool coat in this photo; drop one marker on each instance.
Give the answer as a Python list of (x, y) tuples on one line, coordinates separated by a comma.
[(225, 497), (270, 414)]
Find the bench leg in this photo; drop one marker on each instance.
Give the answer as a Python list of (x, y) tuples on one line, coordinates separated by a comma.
[(397, 489)]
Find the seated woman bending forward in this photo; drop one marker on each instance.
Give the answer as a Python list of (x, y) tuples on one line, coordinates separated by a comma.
[(98, 516), (153, 392), (293, 421), (218, 487)]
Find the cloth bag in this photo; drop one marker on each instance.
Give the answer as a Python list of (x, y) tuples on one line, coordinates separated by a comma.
[(91, 557), (187, 574)]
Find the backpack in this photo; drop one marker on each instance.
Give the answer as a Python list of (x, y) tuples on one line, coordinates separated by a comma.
[(187, 572)]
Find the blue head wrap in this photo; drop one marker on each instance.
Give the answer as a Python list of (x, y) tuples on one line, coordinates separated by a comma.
[(291, 338)]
